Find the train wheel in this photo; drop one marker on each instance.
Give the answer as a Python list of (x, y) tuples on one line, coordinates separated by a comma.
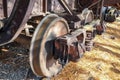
[(41, 51), (14, 19)]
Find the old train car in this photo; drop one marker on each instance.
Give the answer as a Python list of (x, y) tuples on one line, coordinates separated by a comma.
[(64, 32)]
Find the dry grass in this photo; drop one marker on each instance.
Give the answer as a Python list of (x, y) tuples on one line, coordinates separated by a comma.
[(102, 63)]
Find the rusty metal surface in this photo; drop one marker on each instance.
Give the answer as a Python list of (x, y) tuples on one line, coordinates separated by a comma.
[(70, 46), (5, 8), (111, 2)]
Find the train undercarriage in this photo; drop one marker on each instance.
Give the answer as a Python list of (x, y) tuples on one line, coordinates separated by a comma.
[(60, 31)]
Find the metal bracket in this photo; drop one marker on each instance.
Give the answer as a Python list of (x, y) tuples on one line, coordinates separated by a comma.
[(71, 45)]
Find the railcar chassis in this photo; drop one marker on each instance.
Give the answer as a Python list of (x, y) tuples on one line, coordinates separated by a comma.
[(65, 31)]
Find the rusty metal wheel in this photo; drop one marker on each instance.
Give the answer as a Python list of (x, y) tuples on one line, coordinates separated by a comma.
[(41, 51), (15, 21)]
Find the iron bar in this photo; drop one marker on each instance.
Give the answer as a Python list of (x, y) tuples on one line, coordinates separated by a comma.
[(101, 14), (66, 7), (5, 12)]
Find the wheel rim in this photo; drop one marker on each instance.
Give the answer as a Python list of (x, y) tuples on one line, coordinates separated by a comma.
[(42, 61)]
